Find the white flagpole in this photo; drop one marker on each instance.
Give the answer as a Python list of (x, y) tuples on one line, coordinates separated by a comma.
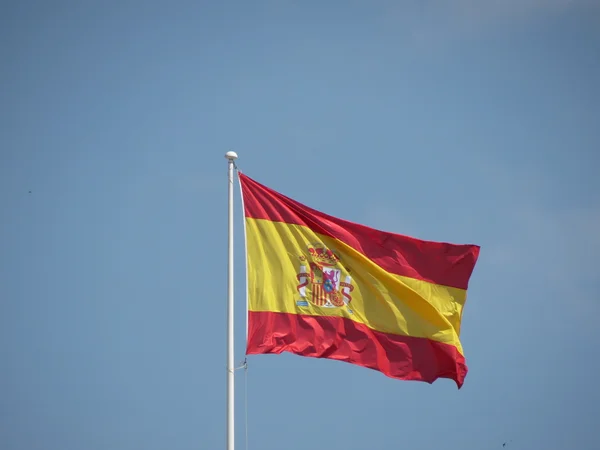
[(231, 157)]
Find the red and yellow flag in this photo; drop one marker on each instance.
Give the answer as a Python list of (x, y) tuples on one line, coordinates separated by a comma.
[(323, 287)]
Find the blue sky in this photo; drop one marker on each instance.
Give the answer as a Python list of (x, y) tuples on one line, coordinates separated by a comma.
[(468, 122)]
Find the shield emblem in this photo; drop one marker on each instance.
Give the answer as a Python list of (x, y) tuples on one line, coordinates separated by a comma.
[(325, 293)]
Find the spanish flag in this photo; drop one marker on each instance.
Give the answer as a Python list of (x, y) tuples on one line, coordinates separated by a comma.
[(324, 287)]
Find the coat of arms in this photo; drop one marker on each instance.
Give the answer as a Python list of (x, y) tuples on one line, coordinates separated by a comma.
[(320, 279)]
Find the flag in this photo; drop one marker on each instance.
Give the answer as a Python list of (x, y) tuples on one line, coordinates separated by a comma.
[(323, 287)]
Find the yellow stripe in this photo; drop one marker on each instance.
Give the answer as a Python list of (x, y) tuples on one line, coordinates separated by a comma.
[(385, 302)]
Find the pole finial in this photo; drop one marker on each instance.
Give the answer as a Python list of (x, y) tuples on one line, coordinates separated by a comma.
[(231, 156)]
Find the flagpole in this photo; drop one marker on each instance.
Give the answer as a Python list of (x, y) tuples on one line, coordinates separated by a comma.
[(231, 157)]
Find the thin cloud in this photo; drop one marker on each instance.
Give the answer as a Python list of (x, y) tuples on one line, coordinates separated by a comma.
[(485, 10), (541, 242), (436, 21)]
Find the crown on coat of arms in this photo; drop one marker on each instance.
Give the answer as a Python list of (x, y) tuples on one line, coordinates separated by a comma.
[(322, 255)]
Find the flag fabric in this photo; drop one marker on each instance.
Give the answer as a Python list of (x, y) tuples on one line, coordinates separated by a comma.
[(323, 287)]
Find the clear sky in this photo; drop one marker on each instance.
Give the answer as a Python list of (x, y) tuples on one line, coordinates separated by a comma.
[(465, 121)]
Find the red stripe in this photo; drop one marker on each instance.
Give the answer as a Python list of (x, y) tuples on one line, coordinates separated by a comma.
[(402, 357), (435, 262)]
